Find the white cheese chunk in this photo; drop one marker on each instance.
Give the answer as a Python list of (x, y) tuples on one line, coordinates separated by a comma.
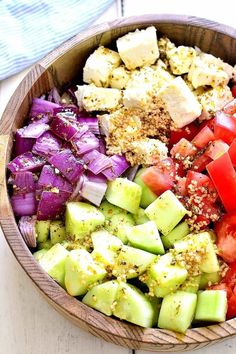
[(92, 98), (138, 48), (207, 70), (180, 102), (119, 77), (150, 151), (99, 65), (180, 59)]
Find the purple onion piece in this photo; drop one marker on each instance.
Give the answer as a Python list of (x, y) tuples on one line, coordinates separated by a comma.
[(51, 205), (119, 166), (67, 110), (102, 146), (26, 162), (85, 143), (99, 178), (131, 172), (53, 96), (76, 192), (23, 182), (98, 163), (35, 130), (66, 129), (91, 122), (93, 191), (49, 179), (27, 228), (24, 204), (47, 145), (70, 167), (40, 107), (22, 144)]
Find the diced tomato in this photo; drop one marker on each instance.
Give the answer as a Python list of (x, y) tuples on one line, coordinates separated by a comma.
[(232, 152), (223, 176), (216, 149), (208, 123), (225, 127), (160, 178), (231, 312), (180, 171), (200, 163), (199, 184), (233, 90), (180, 186), (203, 137), (182, 149), (226, 237), (230, 108), (188, 132), (230, 277)]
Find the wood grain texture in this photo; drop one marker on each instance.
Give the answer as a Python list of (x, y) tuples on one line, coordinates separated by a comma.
[(60, 67)]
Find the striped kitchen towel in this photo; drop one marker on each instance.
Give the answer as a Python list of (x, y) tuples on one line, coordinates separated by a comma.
[(29, 29)]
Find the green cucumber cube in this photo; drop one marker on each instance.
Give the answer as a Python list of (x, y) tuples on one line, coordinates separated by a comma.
[(53, 262), (119, 225), (81, 271), (208, 279), (124, 194), (57, 232), (39, 254), (133, 306), (163, 278), (177, 311), (191, 284), (211, 306), (146, 237), (140, 217), (180, 231), (102, 297), (45, 245), (104, 256), (166, 211), (109, 209), (81, 219), (147, 195), (131, 262), (102, 239), (42, 228)]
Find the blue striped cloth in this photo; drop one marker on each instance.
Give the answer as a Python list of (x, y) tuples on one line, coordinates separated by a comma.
[(29, 29)]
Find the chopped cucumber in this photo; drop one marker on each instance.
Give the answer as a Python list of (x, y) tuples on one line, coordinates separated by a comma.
[(81, 271), (53, 262), (104, 240), (202, 246), (82, 219), (42, 228), (208, 279), (166, 211), (191, 284), (146, 237), (101, 297), (211, 306), (131, 262), (140, 217), (177, 311), (124, 194), (147, 195), (45, 245), (163, 278), (39, 254), (105, 257), (109, 209), (57, 232), (119, 225), (133, 306), (176, 234)]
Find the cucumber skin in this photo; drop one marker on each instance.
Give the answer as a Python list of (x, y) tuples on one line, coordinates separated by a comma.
[(147, 195), (179, 232), (42, 228), (57, 232), (211, 306), (140, 217)]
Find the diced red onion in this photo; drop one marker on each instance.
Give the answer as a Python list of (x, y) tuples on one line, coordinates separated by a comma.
[(24, 204), (131, 172), (26, 162), (40, 106), (86, 143), (23, 182), (68, 111), (92, 123), (76, 192), (66, 129), (49, 179), (54, 96), (22, 144), (100, 178), (27, 228), (70, 167), (51, 205), (93, 191), (119, 166), (102, 146), (97, 162), (35, 130), (47, 145)]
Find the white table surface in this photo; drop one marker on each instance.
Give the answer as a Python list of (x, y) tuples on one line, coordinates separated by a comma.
[(28, 324)]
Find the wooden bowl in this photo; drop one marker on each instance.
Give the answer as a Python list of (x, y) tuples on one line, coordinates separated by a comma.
[(58, 68)]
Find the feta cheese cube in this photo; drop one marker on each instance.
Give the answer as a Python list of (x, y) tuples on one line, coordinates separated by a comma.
[(138, 48), (208, 70), (138, 97), (180, 59), (180, 102), (164, 45), (150, 151), (119, 77), (93, 98), (99, 65)]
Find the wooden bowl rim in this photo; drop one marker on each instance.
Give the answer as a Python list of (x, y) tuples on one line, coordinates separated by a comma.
[(95, 321)]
